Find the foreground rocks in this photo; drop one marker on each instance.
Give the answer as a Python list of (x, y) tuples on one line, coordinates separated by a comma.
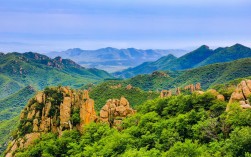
[(241, 94), (61, 108)]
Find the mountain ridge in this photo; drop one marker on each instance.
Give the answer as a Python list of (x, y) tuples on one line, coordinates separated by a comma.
[(113, 59), (199, 57)]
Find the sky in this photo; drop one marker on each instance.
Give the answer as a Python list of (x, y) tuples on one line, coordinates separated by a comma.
[(56, 25)]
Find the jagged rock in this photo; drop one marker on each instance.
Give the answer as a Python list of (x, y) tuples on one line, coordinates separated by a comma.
[(65, 112), (178, 91), (241, 94), (197, 86), (165, 93), (22, 143), (40, 97), (35, 125), (87, 111), (115, 110)]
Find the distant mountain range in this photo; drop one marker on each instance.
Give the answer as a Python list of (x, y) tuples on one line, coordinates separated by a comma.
[(199, 57), (112, 59)]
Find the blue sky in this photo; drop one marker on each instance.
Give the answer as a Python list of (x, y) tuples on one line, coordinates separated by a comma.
[(54, 25)]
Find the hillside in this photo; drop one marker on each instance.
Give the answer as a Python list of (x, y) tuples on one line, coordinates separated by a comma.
[(10, 108), (207, 75), (20, 70), (197, 58), (112, 59)]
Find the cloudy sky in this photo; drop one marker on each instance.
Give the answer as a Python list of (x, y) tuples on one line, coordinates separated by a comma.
[(54, 25)]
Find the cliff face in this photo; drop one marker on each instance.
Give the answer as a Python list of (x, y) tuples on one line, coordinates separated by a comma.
[(60, 108), (53, 110)]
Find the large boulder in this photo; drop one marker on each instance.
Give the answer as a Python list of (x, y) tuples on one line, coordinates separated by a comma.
[(241, 94), (115, 110)]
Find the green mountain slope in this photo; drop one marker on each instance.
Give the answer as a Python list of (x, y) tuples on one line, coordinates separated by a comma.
[(207, 75), (20, 70), (197, 58), (10, 108), (227, 54), (216, 73), (146, 67)]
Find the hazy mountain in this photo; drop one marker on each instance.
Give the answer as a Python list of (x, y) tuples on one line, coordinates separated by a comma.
[(146, 68), (199, 57), (112, 59)]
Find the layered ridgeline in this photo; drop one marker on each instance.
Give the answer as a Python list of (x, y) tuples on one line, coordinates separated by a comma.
[(199, 57), (208, 76), (196, 124), (112, 59)]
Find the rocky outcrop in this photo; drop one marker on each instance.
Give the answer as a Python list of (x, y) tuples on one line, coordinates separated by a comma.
[(61, 108), (241, 94), (165, 93), (129, 87), (52, 111), (192, 88), (115, 111)]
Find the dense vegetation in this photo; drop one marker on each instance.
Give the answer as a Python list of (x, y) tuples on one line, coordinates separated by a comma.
[(208, 76), (184, 125), (104, 91), (199, 57)]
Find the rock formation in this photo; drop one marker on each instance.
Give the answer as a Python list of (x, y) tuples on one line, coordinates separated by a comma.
[(165, 93), (178, 91), (242, 94), (61, 108), (192, 88), (115, 111), (52, 111), (128, 87)]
